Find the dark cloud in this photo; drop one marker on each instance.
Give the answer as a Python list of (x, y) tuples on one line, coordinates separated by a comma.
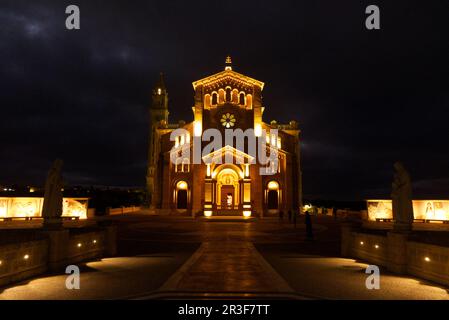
[(363, 98)]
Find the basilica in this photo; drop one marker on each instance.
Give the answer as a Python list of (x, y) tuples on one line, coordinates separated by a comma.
[(223, 101)]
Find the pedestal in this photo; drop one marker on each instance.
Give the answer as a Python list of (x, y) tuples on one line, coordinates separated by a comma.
[(58, 245), (402, 227), (347, 228), (397, 251), (53, 223), (110, 240)]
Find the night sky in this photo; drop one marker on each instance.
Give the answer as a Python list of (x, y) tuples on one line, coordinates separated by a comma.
[(363, 99)]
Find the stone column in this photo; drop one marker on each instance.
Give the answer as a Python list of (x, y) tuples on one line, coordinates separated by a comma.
[(110, 237), (57, 251), (347, 228), (397, 252)]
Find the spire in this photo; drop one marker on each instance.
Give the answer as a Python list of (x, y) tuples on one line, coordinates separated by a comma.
[(160, 94), (160, 85), (228, 63)]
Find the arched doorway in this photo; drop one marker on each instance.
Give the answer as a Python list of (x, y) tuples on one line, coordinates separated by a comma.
[(181, 195), (273, 195), (227, 189)]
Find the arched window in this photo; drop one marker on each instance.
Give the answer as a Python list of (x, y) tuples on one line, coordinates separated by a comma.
[(235, 96), (273, 195), (181, 195), (214, 99), (221, 96), (249, 101), (207, 101), (228, 95), (242, 98)]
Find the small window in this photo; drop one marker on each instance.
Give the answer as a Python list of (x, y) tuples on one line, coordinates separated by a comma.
[(181, 195), (228, 95), (214, 99), (242, 99)]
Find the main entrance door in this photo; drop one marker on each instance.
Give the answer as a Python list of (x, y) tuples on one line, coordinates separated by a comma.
[(227, 197)]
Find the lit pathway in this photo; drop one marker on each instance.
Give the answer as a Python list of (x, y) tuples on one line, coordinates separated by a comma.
[(229, 266), (163, 256), (110, 278), (339, 278)]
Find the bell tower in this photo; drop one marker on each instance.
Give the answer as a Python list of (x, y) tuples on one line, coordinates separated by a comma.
[(159, 107), (158, 118)]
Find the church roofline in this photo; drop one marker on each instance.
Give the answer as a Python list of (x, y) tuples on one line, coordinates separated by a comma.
[(225, 74), (227, 149)]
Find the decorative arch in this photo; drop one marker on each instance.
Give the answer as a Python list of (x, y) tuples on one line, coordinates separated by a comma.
[(228, 178), (207, 100), (221, 96), (273, 195), (228, 97), (242, 98), (181, 195), (235, 96), (249, 101), (214, 100)]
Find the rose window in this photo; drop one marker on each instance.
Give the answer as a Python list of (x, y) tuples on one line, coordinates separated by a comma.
[(227, 120)]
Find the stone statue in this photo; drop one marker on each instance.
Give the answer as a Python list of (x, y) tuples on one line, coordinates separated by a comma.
[(402, 198), (52, 208)]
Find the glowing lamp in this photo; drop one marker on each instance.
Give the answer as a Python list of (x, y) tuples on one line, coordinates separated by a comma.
[(79, 245), (182, 185), (26, 257), (376, 246), (247, 214), (427, 259), (208, 213), (273, 185), (362, 243)]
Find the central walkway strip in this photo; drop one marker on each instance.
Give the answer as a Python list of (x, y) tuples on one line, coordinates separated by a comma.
[(226, 266)]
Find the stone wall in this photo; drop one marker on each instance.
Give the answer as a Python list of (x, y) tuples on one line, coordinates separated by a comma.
[(394, 251), (372, 248), (435, 268), (58, 249), (85, 246), (22, 260)]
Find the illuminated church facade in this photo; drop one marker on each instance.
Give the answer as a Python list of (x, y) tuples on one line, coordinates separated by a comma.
[(213, 187)]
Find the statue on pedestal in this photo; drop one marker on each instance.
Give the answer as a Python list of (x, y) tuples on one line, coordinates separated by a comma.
[(52, 207), (402, 199)]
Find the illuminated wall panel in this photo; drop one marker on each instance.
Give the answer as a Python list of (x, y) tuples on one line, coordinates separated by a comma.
[(18, 207), (247, 192), (422, 209), (208, 192)]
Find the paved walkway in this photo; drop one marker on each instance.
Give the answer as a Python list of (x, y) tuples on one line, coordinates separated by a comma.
[(185, 256), (230, 266)]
